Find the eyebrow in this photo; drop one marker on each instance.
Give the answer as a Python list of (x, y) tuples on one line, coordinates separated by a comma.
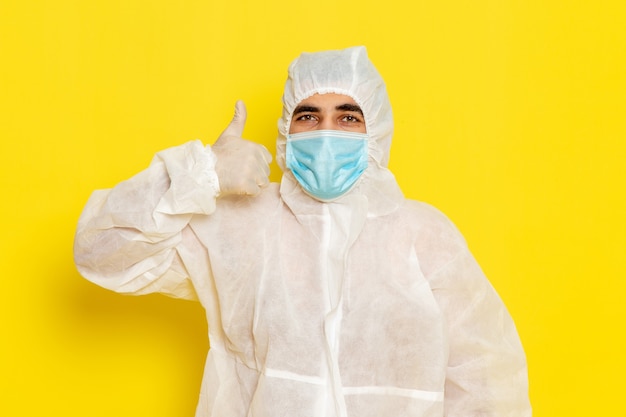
[(306, 109), (350, 107), (312, 109)]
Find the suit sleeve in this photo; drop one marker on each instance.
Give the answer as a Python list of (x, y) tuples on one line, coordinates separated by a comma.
[(129, 237), (487, 372)]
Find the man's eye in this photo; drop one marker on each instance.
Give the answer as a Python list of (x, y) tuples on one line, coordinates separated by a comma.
[(350, 118), (306, 117)]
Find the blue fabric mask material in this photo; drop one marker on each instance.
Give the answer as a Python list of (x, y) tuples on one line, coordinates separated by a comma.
[(327, 163)]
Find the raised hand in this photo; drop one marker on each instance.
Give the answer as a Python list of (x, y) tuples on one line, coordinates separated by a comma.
[(242, 166)]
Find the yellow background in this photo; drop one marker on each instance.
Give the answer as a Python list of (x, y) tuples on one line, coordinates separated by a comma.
[(510, 117)]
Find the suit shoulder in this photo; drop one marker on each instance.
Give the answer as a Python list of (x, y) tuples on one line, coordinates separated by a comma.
[(433, 230), (426, 215)]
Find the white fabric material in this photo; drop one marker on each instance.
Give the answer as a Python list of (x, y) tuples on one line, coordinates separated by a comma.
[(368, 306)]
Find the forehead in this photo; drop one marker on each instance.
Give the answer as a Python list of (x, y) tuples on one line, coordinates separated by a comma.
[(329, 100)]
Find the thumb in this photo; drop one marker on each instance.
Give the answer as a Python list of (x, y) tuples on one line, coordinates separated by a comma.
[(236, 125)]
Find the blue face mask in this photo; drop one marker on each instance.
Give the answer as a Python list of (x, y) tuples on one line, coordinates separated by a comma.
[(327, 163)]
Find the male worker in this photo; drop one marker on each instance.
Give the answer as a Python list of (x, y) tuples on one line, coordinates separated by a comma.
[(327, 295)]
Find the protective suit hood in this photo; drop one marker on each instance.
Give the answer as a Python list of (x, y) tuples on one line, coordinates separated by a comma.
[(351, 73)]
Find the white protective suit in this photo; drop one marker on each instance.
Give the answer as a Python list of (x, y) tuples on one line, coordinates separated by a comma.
[(368, 306)]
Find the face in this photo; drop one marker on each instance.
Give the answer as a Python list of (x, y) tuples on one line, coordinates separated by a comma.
[(327, 112)]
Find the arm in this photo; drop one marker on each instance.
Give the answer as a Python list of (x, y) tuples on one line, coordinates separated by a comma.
[(486, 374), (128, 237)]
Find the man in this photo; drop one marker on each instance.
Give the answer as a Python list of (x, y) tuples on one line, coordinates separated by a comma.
[(328, 294)]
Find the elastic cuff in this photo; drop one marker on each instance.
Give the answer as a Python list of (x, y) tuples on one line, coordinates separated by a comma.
[(210, 172)]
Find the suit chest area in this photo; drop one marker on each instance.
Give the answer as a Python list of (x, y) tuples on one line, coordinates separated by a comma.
[(290, 295)]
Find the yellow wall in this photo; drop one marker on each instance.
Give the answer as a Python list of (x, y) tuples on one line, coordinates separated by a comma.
[(510, 117)]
